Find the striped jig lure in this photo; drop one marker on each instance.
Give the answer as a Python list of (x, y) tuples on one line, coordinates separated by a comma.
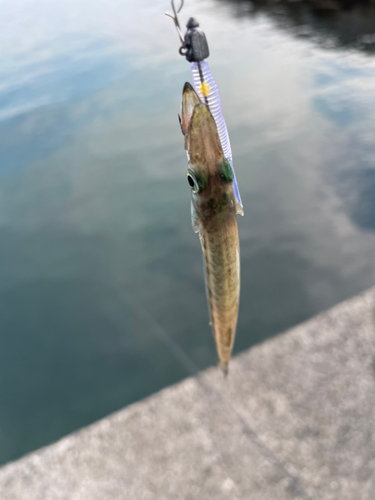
[(215, 195)]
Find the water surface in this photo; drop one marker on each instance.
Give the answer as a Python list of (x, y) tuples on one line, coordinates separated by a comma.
[(101, 279)]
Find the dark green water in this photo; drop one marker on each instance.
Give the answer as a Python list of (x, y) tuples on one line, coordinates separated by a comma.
[(101, 275)]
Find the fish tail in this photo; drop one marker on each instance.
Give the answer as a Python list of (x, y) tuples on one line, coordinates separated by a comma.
[(224, 367)]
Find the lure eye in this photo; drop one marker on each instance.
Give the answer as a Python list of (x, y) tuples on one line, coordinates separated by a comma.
[(192, 182)]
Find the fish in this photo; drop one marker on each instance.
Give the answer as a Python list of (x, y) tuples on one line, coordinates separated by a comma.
[(214, 209)]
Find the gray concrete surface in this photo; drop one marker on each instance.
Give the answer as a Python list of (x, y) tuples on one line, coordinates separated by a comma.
[(295, 419)]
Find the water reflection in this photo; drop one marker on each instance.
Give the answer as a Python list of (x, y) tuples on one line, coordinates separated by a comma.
[(329, 23), (358, 190), (94, 207)]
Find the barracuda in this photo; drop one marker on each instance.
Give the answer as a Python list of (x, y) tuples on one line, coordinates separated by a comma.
[(214, 207)]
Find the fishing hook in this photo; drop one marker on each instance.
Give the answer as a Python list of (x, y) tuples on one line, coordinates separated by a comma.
[(174, 16)]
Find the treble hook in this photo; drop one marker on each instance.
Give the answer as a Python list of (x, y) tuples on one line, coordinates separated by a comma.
[(177, 24)]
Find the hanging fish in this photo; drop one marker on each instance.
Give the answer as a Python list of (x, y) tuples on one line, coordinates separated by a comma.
[(215, 196)]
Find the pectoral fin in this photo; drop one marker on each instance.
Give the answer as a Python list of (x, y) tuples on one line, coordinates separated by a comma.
[(195, 222)]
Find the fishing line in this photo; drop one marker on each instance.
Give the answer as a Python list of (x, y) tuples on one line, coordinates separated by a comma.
[(193, 369), (194, 47)]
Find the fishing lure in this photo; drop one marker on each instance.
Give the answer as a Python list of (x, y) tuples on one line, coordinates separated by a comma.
[(215, 195)]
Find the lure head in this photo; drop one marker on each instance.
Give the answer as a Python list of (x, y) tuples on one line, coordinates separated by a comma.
[(210, 175)]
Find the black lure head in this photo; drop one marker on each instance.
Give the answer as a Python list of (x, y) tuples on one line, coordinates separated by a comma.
[(196, 46)]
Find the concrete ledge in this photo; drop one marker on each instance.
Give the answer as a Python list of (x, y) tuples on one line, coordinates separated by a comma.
[(294, 419)]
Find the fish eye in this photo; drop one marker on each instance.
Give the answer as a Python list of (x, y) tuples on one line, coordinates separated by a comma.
[(192, 182)]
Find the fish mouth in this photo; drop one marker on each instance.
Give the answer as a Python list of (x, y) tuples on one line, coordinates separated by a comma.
[(190, 99), (202, 138), (189, 88), (198, 126)]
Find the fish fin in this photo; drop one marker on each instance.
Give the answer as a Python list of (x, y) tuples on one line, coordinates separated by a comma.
[(195, 222), (239, 207)]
